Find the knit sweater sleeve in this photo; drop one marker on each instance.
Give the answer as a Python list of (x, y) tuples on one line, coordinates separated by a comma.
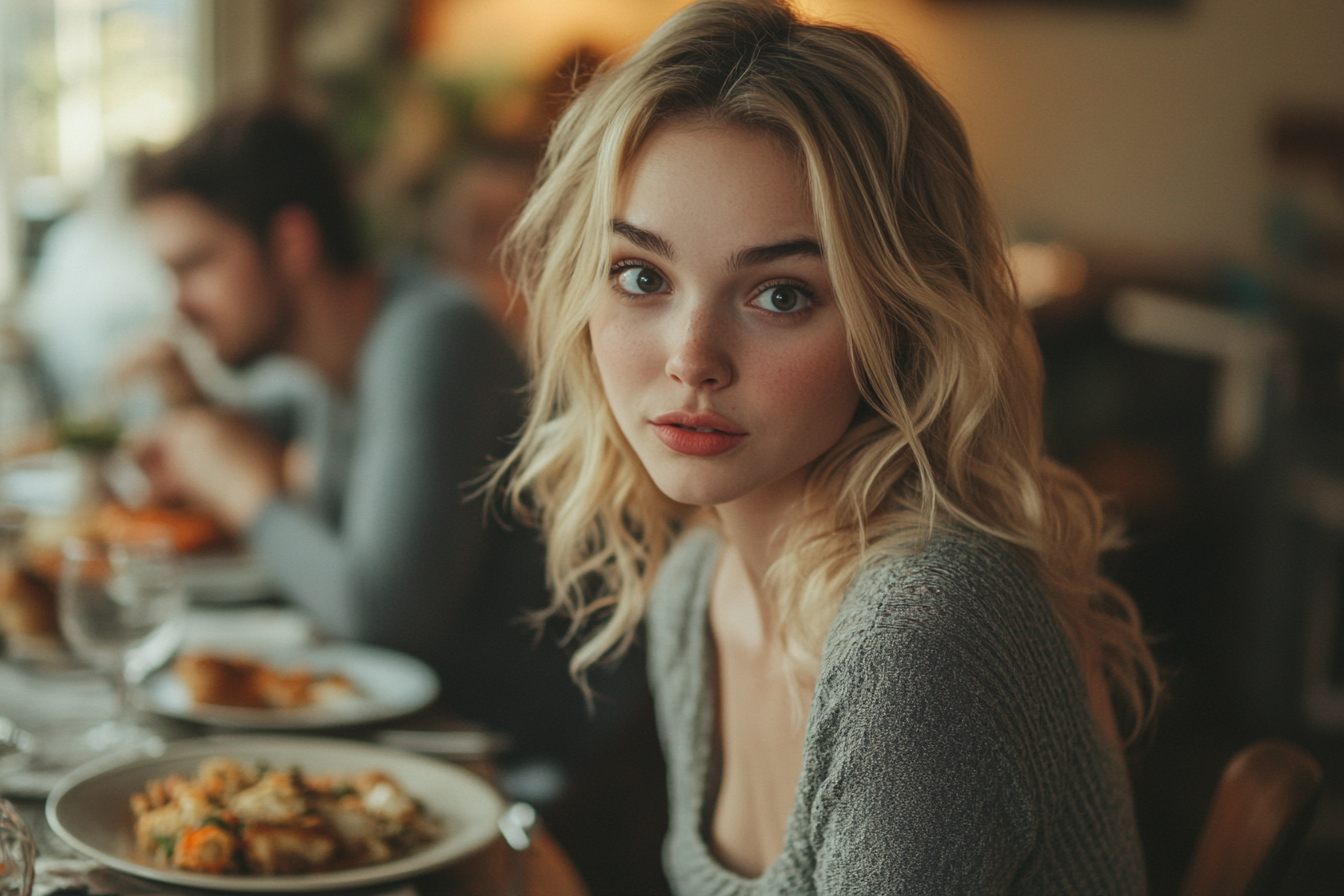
[(435, 398), (914, 790), (951, 750)]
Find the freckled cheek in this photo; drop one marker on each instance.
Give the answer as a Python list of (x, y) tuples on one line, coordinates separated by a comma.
[(628, 358), (811, 383)]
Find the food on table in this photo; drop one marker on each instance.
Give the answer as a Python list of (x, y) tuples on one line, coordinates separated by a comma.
[(241, 681), (187, 529), (43, 536), (236, 818), (27, 612)]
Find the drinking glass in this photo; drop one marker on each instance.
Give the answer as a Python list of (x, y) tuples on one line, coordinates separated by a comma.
[(18, 855), (121, 608)]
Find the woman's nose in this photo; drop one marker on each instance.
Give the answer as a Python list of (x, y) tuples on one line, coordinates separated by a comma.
[(698, 355)]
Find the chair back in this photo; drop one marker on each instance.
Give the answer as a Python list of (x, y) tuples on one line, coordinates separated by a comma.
[(1260, 812)]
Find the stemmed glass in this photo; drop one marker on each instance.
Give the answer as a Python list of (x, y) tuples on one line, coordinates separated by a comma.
[(121, 608), (18, 856)]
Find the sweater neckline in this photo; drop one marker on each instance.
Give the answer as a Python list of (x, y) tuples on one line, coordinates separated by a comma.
[(723, 878)]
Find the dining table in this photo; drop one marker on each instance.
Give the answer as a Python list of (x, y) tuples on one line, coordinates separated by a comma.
[(524, 860)]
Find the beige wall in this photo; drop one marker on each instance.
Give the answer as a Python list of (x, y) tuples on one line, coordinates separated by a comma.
[(1135, 131), (241, 49), (1122, 130)]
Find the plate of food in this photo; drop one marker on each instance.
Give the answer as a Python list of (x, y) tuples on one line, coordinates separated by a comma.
[(323, 686), (37, 522), (274, 814), (215, 568)]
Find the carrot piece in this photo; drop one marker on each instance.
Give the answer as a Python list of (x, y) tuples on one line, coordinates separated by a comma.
[(208, 848)]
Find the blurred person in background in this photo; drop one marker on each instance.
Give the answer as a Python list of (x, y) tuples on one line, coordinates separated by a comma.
[(96, 289), (469, 214), (370, 530), (611, 817)]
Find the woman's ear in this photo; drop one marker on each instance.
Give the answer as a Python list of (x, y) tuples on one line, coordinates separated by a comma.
[(295, 244)]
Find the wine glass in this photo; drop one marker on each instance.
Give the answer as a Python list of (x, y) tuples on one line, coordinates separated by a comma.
[(122, 607), (18, 855)]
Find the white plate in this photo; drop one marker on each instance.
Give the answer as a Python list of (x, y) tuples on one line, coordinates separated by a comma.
[(90, 807), (390, 684), (225, 578)]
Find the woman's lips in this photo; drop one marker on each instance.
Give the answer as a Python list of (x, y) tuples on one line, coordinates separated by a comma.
[(700, 434)]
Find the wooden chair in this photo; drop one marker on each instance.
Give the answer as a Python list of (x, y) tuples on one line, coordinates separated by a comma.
[(1260, 812)]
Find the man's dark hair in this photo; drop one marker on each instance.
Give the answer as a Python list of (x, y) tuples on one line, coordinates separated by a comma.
[(247, 163)]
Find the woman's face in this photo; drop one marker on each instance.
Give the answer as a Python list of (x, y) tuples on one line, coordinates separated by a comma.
[(717, 336)]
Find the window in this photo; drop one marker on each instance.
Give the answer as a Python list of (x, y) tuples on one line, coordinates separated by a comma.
[(83, 82)]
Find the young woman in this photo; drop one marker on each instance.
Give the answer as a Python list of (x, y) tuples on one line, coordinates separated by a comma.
[(787, 407)]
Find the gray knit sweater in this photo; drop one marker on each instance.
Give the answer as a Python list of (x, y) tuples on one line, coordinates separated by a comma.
[(949, 745)]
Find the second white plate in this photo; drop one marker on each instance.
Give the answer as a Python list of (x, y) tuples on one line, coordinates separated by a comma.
[(225, 578), (390, 684)]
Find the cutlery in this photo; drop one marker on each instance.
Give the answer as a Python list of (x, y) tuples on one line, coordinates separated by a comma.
[(450, 744)]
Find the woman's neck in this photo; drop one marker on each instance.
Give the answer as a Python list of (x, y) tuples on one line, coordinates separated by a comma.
[(753, 524), (762, 692)]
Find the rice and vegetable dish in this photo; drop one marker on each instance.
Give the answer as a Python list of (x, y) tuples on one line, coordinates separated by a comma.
[(235, 818)]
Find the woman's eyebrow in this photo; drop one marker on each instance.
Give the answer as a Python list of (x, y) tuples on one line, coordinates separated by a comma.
[(649, 242), (764, 254), (745, 258)]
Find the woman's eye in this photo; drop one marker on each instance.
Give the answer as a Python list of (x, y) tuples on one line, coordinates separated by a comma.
[(782, 299), (640, 281)]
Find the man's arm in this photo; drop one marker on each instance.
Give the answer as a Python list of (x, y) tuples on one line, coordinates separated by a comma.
[(160, 362), (436, 396)]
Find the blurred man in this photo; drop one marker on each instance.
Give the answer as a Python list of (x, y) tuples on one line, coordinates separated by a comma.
[(375, 537), (468, 213)]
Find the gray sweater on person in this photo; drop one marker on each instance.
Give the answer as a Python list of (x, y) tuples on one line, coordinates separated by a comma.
[(949, 745), (391, 550)]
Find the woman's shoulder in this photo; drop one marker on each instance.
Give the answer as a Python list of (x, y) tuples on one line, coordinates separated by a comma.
[(950, 720), (965, 605), (951, 554), (959, 573), (694, 548), (681, 590), (686, 567)]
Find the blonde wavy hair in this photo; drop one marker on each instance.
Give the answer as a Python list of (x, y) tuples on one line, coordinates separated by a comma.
[(950, 429)]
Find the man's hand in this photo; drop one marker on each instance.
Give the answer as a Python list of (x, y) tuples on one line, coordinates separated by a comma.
[(160, 363), (216, 459)]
